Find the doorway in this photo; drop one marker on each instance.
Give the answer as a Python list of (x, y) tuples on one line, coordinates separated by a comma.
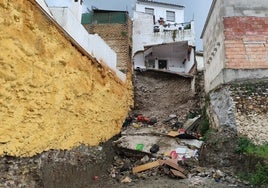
[(162, 64)]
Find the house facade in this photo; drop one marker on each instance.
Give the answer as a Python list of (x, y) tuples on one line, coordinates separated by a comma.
[(161, 38), (115, 27), (235, 40)]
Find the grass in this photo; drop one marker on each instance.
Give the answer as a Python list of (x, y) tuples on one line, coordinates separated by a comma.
[(259, 177), (246, 146)]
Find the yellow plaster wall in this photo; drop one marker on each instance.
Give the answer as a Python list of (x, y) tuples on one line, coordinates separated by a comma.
[(51, 96)]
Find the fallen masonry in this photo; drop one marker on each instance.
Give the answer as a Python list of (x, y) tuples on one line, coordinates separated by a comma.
[(160, 145), (175, 157)]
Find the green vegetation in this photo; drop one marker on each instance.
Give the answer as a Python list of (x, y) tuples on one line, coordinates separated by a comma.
[(208, 134), (205, 122), (246, 146), (123, 33), (260, 176)]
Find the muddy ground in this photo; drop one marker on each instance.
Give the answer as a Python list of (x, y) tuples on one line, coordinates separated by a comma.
[(156, 95)]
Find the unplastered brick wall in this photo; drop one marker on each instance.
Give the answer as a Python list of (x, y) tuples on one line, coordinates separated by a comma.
[(118, 37), (52, 96), (246, 42)]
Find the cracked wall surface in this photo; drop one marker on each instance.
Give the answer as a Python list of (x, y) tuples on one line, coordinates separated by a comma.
[(52, 96)]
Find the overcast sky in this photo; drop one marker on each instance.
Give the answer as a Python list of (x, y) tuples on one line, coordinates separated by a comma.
[(194, 9)]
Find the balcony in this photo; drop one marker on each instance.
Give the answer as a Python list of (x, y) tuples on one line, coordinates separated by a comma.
[(174, 33)]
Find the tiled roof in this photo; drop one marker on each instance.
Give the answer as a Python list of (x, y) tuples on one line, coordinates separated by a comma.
[(159, 3)]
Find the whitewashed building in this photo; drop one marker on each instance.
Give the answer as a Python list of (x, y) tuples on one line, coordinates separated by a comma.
[(68, 14), (161, 38)]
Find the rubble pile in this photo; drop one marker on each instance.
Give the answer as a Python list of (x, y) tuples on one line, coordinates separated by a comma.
[(251, 103), (160, 149)]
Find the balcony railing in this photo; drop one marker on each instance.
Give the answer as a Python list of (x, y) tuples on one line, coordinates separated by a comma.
[(161, 27)]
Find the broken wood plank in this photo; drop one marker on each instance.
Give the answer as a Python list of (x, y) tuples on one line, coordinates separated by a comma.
[(178, 173), (145, 167), (173, 133), (173, 163)]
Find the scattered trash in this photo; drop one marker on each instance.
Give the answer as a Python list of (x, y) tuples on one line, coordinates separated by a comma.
[(218, 175), (174, 122), (147, 120), (145, 159), (126, 180), (96, 178), (173, 163), (181, 150), (194, 143), (136, 125), (176, 144), (127, 121), (113, 173), (173, 133), (144, 167), (178, 173), (173, 155), (183, 159), (139, 147), (154, 148)]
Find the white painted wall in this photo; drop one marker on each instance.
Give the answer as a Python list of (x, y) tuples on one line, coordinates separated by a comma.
[(43, 4), (175, 64), (75, 7), (214, 52), (143, 34), (160, 11), (189, 64), (93, 44), (200, 62), (139, 60), (142, 29)]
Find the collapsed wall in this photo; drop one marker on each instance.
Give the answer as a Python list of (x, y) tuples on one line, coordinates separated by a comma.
[(51, 95)]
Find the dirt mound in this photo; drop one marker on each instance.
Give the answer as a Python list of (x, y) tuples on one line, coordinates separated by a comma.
[(159, 94)]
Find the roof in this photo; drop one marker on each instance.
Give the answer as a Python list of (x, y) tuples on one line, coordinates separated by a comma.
[(159, 3), (208, 17)]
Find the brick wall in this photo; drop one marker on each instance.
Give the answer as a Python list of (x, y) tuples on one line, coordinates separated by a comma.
[(246, 42), (118, 37)]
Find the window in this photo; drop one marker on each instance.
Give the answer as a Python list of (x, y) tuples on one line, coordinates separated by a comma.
[(149, 11), (170, 16)]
